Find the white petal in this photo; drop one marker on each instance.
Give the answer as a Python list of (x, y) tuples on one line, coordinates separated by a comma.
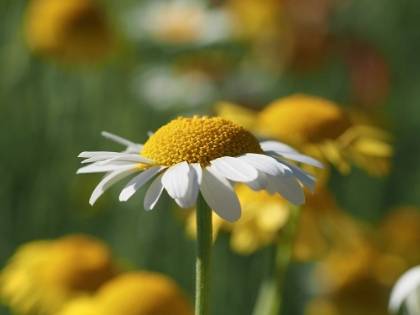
[(276, 146), (304, 177), (408, 282), (194, 182), (138, 181), (100, 158), (128, 158), (302, 158), (270, 188), (412, 302), (134, 150), (176, 180), (260, 183), (118, 139), (110, 180), (96, 168), (267, 164), (153, 193), (234, 169), (289, 188), (220, 196), (90, 154)]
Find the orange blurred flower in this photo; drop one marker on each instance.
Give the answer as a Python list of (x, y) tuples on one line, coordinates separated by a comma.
[(71, 31)]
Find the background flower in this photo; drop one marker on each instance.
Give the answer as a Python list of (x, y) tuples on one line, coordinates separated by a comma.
[(319, 128), (42, 275), (321, 225), (134, 293), (358, 278), (74, 31)]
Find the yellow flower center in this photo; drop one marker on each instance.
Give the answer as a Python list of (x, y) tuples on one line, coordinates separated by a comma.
[(199, 140), (299, 119)]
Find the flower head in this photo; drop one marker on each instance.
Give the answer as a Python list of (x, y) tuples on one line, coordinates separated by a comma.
[(135, 293), (74, 31), (203, 154), (42, 275), (321, 129)]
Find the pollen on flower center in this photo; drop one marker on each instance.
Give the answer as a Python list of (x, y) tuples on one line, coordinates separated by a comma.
[(303, 119), (199, 140)]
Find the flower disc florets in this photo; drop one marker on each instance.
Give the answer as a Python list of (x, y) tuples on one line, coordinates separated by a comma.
[(199, 140)]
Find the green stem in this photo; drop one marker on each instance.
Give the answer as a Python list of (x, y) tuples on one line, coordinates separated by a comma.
[(271, 292), (204, 247), (284, 254)]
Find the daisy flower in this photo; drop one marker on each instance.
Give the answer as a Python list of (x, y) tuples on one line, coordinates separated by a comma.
[(202, 154)]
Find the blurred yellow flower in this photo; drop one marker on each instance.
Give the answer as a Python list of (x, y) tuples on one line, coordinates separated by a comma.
[(135, 293), (399, 238), (360, 297), (42, 275), (320, 224), (346, 283), (263, 215), (356, 279), (71, 31), (318, 128)]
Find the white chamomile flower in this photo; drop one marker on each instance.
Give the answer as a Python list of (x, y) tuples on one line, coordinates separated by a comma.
[(178, 22), (202, 154)]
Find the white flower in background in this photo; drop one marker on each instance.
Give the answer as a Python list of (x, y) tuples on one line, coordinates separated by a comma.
[(162, 89), (406, 292), (202, 154), (178, 22)]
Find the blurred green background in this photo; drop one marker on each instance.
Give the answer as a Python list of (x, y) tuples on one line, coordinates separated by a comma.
[(49, 113)]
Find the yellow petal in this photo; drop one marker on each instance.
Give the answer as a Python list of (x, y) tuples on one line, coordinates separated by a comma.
[(243, 116), (373, 147)]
